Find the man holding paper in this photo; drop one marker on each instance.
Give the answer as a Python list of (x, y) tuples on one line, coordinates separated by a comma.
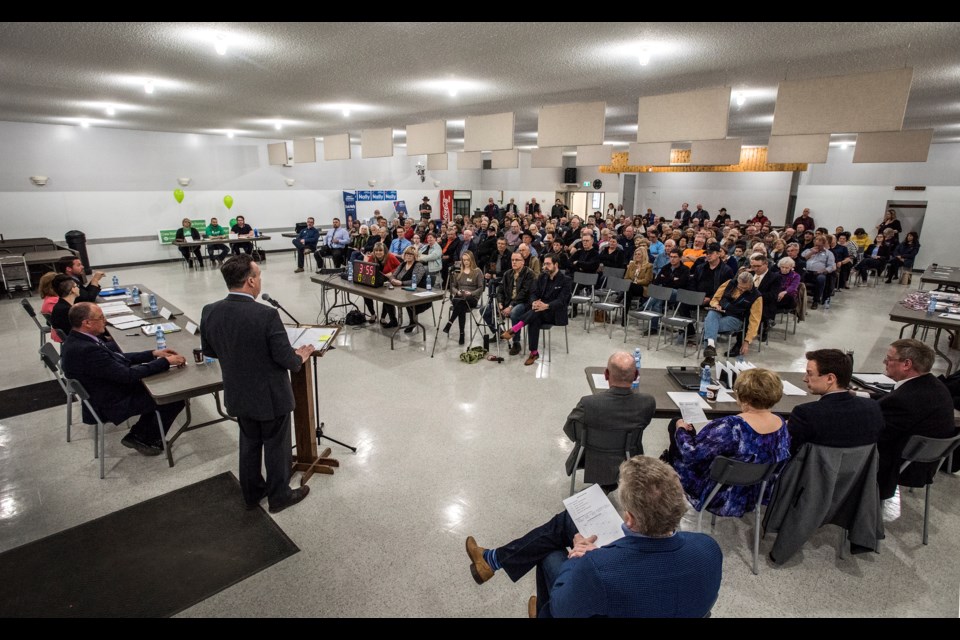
[(654, 570), (255, 357)]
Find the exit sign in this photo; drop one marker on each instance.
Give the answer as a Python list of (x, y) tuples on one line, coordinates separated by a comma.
[(586, 183)]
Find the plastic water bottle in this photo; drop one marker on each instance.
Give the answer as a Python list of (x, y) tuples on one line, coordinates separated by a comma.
[(161, 339), (153, 304), (256, 232), (413, 282), (635, 385), (704, 381), (932, 306), (116, 282), (429, 283), (350, 271), (136, 295)]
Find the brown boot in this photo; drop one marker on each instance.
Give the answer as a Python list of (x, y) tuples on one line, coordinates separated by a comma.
[(479, 568)]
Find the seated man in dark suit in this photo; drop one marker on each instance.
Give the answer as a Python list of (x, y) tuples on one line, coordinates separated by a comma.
[(654, 570), (113, 378), (615, 409), (74, 268), (767, 282), (838, 419), (551, 297), (919, 404)]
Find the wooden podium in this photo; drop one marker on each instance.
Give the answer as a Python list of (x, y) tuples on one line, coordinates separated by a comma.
[(306, 459)]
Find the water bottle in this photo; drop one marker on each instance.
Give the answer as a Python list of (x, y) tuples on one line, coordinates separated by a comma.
[(350, 271), (635, 385), (413, 281), (153, 304), (704, 381), (429, 283), (161, 339), (256, 232), (116, 282), (136, 295), (932, 306)]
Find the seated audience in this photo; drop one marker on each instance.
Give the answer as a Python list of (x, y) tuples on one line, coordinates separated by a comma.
[(876, 256), (736, 302), (655, 570), (466, 287), (755, 435), (819, 269), (767, 283), (903, 256), (335, 245), (513, 298), (843, 258), (406, 273), (305, 241), (639, 274), (789, 285), (449, 252), (388, 263), (550, 299)]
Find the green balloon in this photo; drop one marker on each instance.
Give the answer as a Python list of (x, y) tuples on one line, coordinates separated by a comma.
[(178, 195), (233, 221), (228, 200)]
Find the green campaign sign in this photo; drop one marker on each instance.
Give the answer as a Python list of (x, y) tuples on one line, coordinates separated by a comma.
[(167, 236)]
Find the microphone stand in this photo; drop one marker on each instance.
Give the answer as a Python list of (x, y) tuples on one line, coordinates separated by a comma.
[(279, 306)]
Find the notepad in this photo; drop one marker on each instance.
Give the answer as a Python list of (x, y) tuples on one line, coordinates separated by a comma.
[(166, 327), (319, 337), (594, 515)]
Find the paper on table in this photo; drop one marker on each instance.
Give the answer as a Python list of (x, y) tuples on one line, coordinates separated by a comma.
[(950, 316), (873, 378), (421, 294), (693, 413), (118, 320), (130, 325), (687, 396), (166, 313), (319, 337), (600, 382), (725, 396), (593, 514), (792, 389)]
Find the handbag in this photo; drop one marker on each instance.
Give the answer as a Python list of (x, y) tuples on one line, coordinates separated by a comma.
[(906, 277)]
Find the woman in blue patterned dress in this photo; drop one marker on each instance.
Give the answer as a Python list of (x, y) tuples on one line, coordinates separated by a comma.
[(754, 435)]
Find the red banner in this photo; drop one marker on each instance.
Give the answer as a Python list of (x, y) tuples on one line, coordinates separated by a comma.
[(446, 206)]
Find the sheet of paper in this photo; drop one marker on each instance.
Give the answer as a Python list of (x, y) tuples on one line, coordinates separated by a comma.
[(693, 413), (166, 327), (719, 369), (950, 316), (191, 328), (873, 378), (118, 320), (725, 396), (166, 313), (687, 396), (115, 308), (422, 294), (600, 382), (593, 514), (792, 389), (319, 337), (131, 325)]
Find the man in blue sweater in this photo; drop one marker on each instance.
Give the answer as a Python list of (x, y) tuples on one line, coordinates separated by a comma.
[(654, 570), (306, 240)]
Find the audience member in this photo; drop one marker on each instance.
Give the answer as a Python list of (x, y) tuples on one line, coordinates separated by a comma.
[(74, 268), (243, 230), (217, 252), (306, 240), (186, 229)]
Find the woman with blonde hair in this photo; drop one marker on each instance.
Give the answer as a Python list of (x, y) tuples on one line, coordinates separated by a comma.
[(466, 286), (639, 274)]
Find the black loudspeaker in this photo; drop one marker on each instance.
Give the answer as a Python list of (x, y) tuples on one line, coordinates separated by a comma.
[(570, 175)]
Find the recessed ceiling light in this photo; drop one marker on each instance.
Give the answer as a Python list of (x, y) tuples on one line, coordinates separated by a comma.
[(111, 111), (844, 145), (220, 44), (741, 99), (452, 93), (644, 57), (277, 125), (84, 123), (346, 113), (148, 87), (229, 134)]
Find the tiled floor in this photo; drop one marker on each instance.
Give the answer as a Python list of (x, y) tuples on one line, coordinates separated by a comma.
[(447, 450)]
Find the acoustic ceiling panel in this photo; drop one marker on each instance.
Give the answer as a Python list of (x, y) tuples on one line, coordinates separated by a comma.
[(427, 138), (650, 153), (305, 150), (470, 160), (893, 146), (715, 151), (438, 162), (277, 153), (690, 115), (792, 149), (488, 133), (578, 123), (843, 104), (376, 143), (594, 155), (505, 159), (549, 158), (336, 147)]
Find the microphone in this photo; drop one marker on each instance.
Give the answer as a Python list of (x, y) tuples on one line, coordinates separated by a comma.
[(267, 298)]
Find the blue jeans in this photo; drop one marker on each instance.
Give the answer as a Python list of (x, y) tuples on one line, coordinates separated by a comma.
[(716, 323), (544, 548), (518, 310)]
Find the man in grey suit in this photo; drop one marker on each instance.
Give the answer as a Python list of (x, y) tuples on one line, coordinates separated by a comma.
[(255, 356), (618, 409)]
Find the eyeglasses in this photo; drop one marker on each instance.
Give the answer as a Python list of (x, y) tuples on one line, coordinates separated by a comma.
[(887, 359)]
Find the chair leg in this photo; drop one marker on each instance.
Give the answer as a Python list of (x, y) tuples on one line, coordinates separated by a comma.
[(566, 338), (69, 415), (703, 507), (843, 543), (926, 514), (756, 538)]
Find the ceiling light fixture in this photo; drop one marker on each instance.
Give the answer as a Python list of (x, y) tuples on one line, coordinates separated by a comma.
[(644, 57), (111, 111), (277, 125), (229, 134), (346, 113), (84, 123), (452, 93), (148, 87), (844, 145), (220, 44), (741, 99)]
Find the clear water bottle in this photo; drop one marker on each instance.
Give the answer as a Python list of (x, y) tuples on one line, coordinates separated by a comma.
[(153, 304), (413, 281), (932, 306), (350, 271), (136, 295), (116, 282), (635, 385), (429, 283), (704, 381), (161, 339)]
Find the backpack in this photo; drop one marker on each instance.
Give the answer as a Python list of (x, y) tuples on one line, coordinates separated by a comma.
[(354, 318)]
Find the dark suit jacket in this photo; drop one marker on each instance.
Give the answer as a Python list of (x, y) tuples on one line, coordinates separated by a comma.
[(88, 292), (835, 420), (616, 409), (555, 292), (254, 353), (769, 290), (111, 378), (920, 406)]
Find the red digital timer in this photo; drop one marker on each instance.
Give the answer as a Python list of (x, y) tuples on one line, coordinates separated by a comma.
[(367, 273)]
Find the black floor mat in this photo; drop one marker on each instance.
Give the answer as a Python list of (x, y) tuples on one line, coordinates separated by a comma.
[(153, 559), (32, 397)]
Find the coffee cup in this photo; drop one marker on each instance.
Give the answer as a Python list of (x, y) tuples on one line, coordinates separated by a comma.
[(713, 390), (198, 355)]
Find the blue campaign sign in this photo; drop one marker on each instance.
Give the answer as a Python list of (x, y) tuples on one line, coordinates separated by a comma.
[(390, 195), (349, 197), (400, 206), (364, 196), (378, 195)]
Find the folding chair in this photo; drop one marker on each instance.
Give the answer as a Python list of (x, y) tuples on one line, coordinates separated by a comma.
[(676, 323), (615, 287), (50, 357), (923, 449), (584, 282), (44, 328), (645, 314), (604, 441)]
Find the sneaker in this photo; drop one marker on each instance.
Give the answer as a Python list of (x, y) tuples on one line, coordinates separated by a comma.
[(300, 270), (814, 304), (710, 352), (826, 304), (709, 361)]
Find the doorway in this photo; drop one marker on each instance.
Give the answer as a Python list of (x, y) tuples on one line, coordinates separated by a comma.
[(585, 203), (910, 213)]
